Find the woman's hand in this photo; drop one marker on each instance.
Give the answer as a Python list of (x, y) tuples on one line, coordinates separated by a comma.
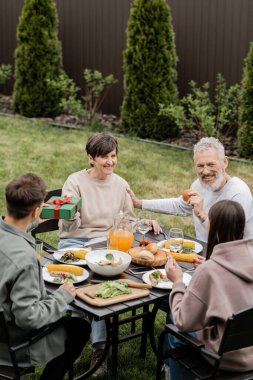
[(200, 260), (173, 270), (70, 288), (155, 226), (136, 201)]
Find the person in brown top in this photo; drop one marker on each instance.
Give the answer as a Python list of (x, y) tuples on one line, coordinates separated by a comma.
[(210, 298)]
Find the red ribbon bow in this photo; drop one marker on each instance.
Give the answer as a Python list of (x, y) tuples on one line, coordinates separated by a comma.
[(59, 203)]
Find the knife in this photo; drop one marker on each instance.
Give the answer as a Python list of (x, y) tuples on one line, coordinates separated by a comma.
[(139, 285)]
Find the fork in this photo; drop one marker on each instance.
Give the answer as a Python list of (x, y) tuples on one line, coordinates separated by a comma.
[(165, 235)]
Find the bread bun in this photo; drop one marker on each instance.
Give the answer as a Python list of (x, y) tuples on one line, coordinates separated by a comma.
[(152, 247), (145, 255), (186, 194), (134, 252)]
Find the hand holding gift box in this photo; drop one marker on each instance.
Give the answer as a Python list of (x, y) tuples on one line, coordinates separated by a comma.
[(61, 208)]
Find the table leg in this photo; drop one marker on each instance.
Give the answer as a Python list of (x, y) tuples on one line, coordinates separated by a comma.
[(145, 329), (152, 326), (133, 322), (115, 345)]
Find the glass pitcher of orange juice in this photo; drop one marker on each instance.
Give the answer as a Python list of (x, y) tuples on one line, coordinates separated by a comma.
[(121, 236)]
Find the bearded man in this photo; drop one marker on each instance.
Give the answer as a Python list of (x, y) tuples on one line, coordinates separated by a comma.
[(212, 185)]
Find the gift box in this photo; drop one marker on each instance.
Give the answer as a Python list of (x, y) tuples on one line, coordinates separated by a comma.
[(61, 208)]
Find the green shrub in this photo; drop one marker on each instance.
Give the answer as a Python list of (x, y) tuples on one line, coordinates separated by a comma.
[(245, 133), (197, 111), (5, 73), (38, 60), (149, 70), (70, 103), (227, 103), (97, 88)]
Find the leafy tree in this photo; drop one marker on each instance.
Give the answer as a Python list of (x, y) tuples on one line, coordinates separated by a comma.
[(149, 70), (38, 60), (245, 133)]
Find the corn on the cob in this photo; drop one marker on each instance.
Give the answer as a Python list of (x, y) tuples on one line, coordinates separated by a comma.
[(166, 245), (189, 244), (184, 257), (80, 254), (186, 244), (78, 271)]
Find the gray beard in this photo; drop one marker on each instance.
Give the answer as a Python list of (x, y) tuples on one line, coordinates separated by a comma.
[(214, 186)]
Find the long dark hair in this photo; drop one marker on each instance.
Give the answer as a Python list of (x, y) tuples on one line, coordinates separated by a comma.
[(227, 222)]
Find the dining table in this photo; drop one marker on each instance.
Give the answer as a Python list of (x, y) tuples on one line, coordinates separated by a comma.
[(127, 312)]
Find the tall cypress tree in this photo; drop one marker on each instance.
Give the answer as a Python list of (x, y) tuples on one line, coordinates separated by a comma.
[(149, 70), (245, 132), (38, 60)]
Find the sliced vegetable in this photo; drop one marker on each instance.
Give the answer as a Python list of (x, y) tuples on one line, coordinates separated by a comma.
[(109, 256), (111, 289)]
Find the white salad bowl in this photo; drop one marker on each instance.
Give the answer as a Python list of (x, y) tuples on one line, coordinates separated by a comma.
[(93, 258)]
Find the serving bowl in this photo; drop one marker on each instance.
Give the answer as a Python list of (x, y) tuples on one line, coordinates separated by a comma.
[(93, 258)]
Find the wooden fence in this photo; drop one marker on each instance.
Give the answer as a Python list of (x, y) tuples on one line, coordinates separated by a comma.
[(212, 36)]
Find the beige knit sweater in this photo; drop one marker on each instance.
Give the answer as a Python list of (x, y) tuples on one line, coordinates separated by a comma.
[(102, 200)]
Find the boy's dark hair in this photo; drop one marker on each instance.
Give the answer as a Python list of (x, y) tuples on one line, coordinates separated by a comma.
[(23, 194), (100, 144), (227, 223)]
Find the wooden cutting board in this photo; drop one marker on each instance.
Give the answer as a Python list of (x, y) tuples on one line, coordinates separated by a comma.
[(86, 293)]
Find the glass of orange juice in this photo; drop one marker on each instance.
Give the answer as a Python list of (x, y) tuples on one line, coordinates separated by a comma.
[(121, 240)]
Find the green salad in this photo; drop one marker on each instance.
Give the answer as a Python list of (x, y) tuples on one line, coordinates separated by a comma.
[(111, 289)]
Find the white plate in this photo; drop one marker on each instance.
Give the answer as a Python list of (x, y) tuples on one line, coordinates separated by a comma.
[(48, 278), (165, 285), (198, 246), (57, 255)]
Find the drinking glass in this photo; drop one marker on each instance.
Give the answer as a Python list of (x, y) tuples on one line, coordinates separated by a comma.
[(176, 238), (143, 227), (39, 249)]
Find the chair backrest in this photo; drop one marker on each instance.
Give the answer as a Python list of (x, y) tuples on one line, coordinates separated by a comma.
[(4, 336), (49, 225), (238, 332)]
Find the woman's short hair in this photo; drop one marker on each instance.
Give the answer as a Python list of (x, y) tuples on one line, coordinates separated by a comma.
[(100, 144), (227, 223), (209, 143), (23, 194)]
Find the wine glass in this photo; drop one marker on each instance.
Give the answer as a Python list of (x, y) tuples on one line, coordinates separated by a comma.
[(143, 227), (176, 238)]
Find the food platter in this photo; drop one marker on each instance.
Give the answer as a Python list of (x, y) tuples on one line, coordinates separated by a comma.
[(48, 278), (57, 255), (164, 285), (198, 246)]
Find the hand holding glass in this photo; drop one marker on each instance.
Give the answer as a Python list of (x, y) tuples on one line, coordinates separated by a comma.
[(176, 238)]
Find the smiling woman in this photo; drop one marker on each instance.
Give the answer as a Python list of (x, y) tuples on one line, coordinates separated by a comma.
[(103, 193), (103, 196)]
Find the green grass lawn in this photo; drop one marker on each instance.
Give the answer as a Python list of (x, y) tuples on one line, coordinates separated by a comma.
[(153, 171)]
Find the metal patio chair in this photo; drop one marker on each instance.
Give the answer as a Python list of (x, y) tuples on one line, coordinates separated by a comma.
[(238, 334)]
